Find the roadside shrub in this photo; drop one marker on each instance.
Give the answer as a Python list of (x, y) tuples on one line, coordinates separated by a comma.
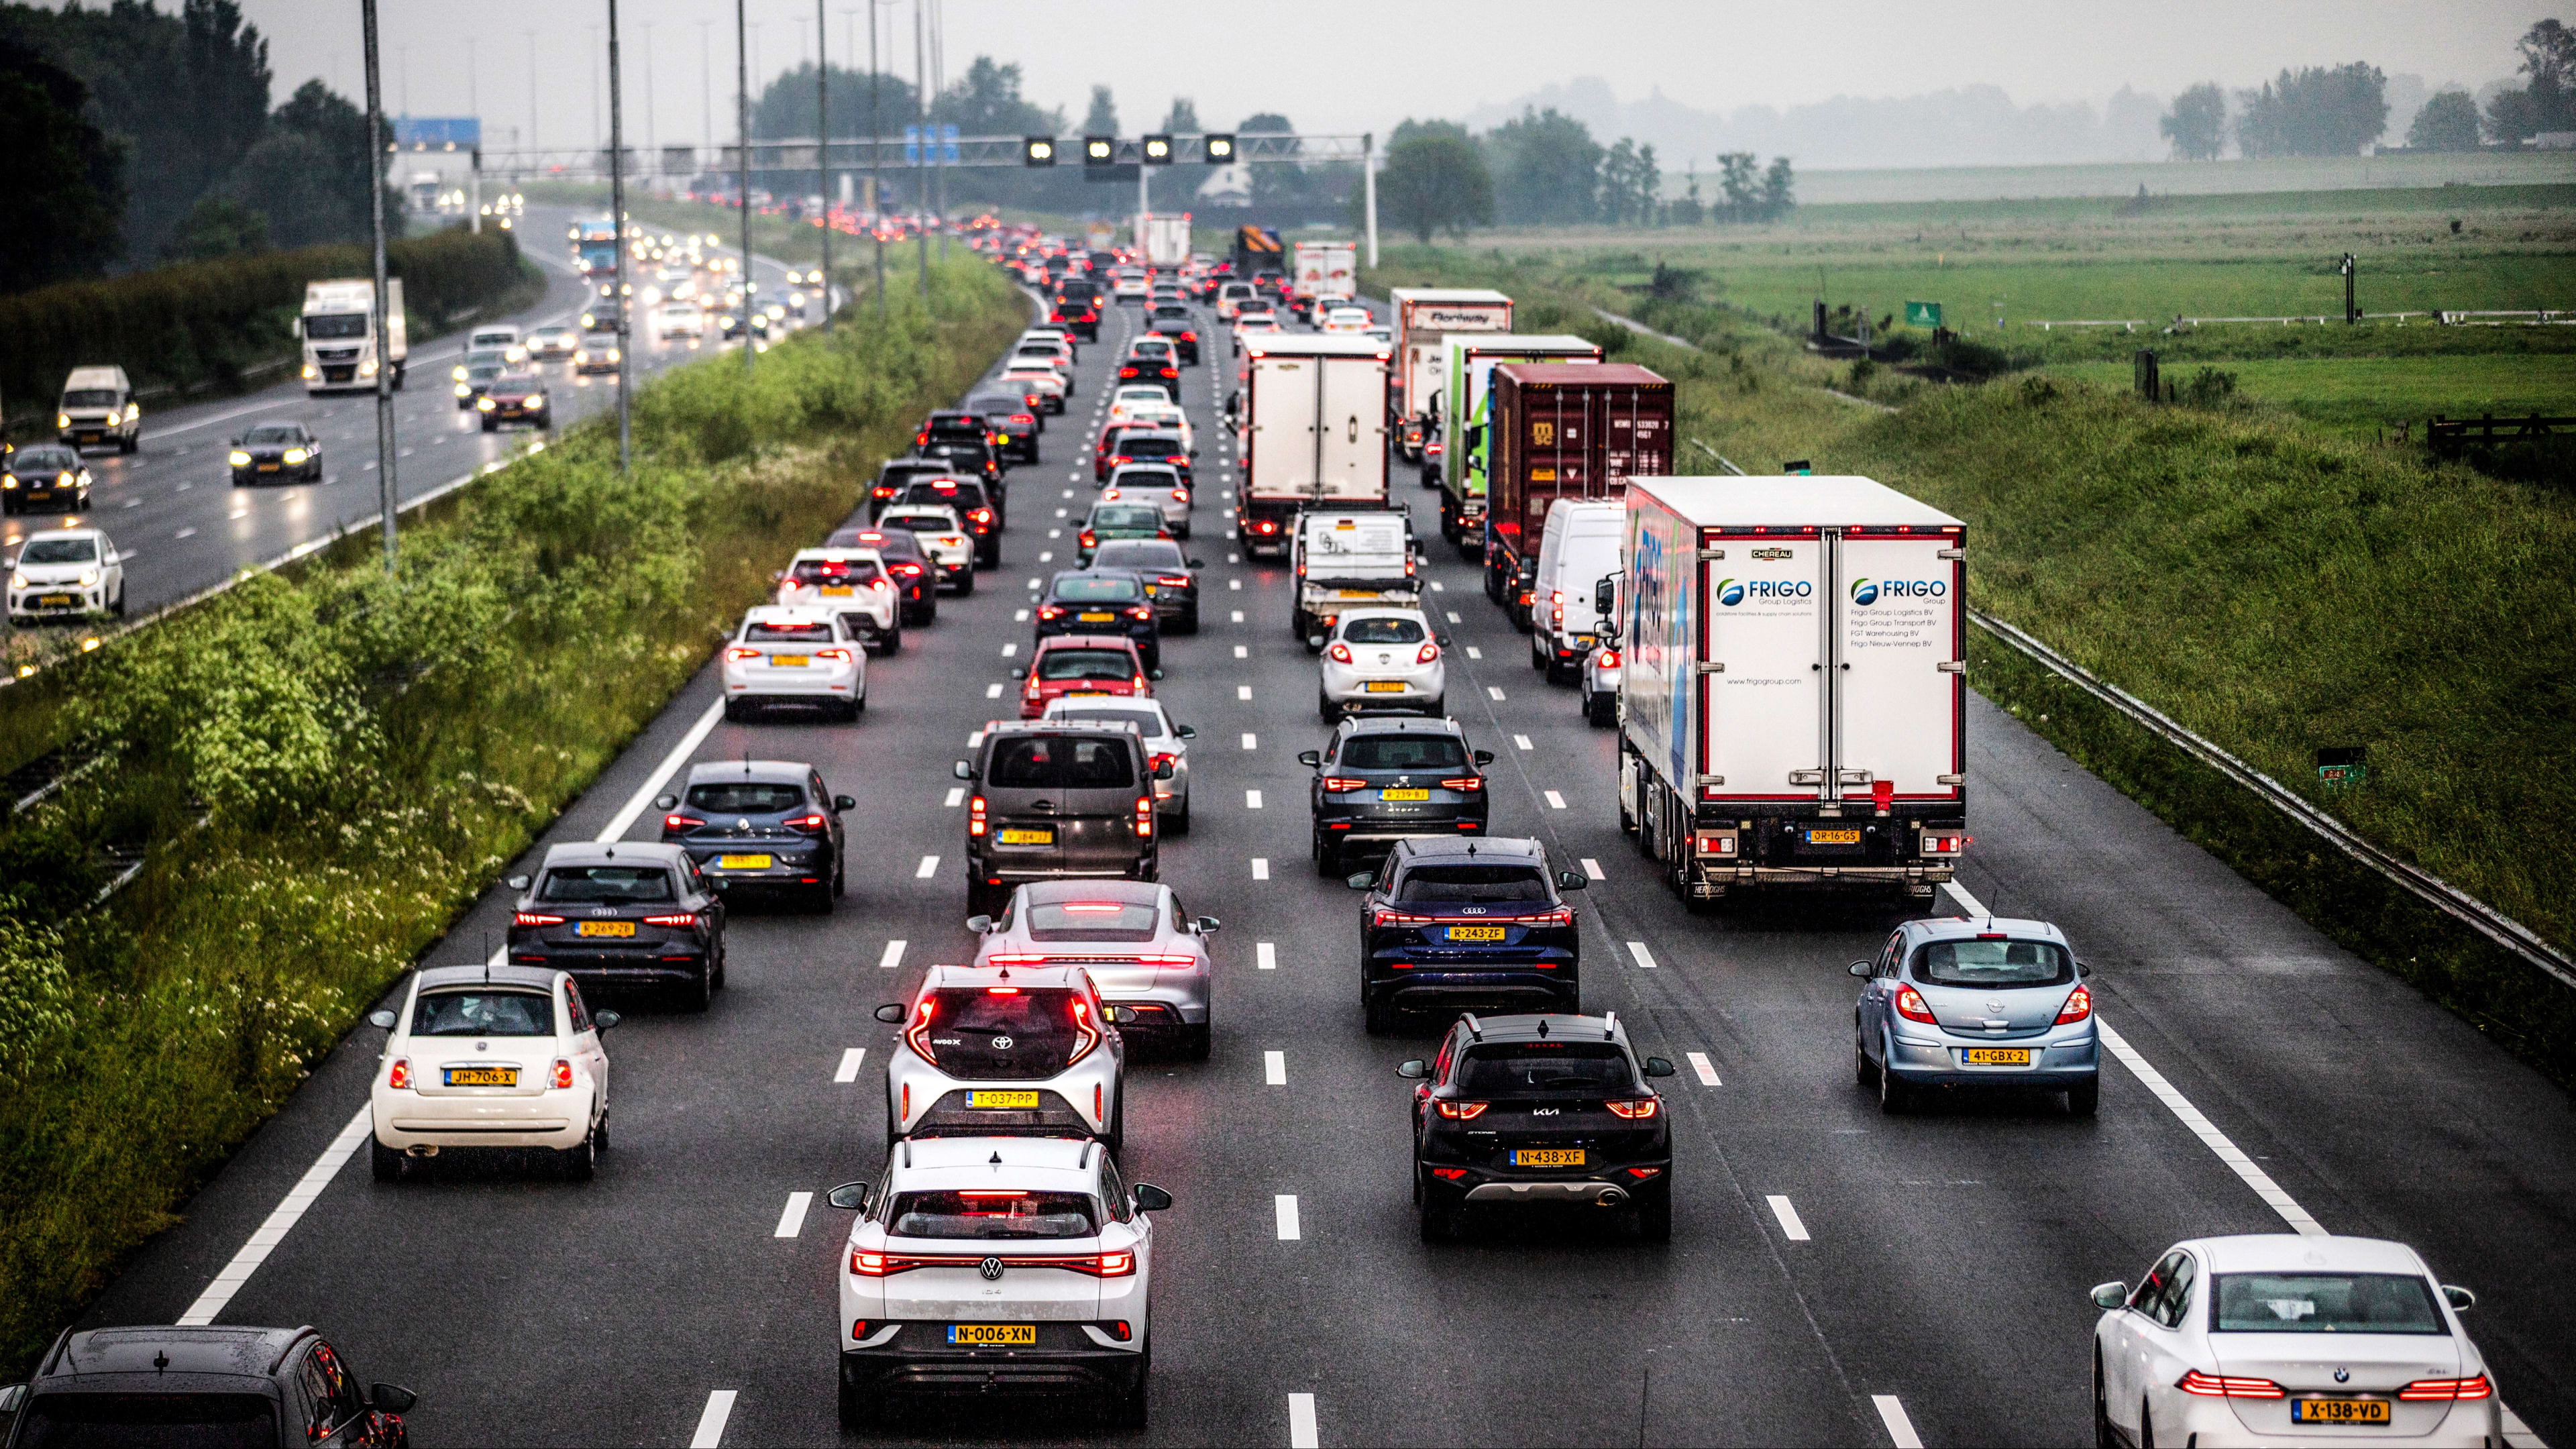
[(2208, 388)]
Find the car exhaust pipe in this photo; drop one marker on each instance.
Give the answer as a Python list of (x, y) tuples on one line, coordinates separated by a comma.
[(420, 1150), (1612, 1196)]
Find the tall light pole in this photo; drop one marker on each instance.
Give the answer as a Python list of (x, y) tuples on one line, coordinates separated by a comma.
[(742, 193), (617, 218), (652, 138), (474, 108), (876, 168), (921, 128), (532, 95), (823, 151), (385, 450), (595, 135), (707, 91)]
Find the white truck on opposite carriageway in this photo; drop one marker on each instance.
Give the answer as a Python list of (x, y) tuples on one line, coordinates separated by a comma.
[(1312, 430), (341, 345)]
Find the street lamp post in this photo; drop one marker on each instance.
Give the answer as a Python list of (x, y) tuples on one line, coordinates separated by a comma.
[(742, 197), (617, 219), (385, 451), (823, 151), (876, 168), (921, 128)]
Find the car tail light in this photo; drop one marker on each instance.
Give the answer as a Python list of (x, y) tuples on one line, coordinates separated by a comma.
[(739, 653), (682, 921), (908, 570), (1117, 1328), (1636, 1111), (2079, 1005), (1050, 611), (1642, 1173), (562, 1079), (399, 1078), (1341, 785), (975, 824), (1086, 1035), (1180, 495), (1089, 539), (842, 655), (1449, 1174), (681, 822), (1160, 760), (917, 1037), (1525, 598), (2443, 1390), (858, 1326), (1909, 1004), (1175, 583), (1340, 653), (1460, 1111), (871, 1265), (531, 918), (1144, 817), (1609, 659), (1430, 654), (1433, 449), (1464, 784), (2217, 1386), (1140, 611)]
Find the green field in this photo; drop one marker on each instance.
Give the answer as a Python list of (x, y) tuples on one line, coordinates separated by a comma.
[(2360, 396)]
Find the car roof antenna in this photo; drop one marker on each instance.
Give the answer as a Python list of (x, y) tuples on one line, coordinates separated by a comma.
[(1609, 1026)]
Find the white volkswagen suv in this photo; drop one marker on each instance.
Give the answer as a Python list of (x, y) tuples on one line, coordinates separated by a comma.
[(1011, 1049), (984, 1265)]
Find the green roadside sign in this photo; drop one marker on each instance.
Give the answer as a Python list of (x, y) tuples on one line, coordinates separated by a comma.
[(1923, 314)]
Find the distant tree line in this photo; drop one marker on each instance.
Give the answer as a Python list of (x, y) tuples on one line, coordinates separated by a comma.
[(147, 137), (1543, 168), (2337, 110)]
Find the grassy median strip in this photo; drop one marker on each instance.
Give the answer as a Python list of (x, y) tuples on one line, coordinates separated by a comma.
[(328, 764)]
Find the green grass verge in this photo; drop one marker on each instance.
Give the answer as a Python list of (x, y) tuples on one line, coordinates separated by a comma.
[(367, 751), (2363, 397)]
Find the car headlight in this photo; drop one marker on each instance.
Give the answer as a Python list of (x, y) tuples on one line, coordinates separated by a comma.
[(537, 400), (614, 354), (63, 480), (457, 372), (19, 581), (133, 411), (462, 390), (62, 420), (88, 578), (310, 372), (367, 368), (238, 458), (485, 404), (295, 456)]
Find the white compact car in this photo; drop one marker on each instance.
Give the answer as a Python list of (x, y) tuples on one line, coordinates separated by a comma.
[(1151, 405), (1140, 948), (1252, 324), (1014, 1049), (680, 319), (1346, 321), (794, 655), (944, 540), (1151, 483), (1164, 740), (1382, 659), (1130, 287), (982, 1265), (1066, 335), (2278, 1338), (853, 583), (490, 1057), (1042, 382), (65, 572)]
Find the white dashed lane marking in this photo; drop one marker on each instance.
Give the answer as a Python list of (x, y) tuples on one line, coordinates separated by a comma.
[(1274, 1068), (1521, 742), (1554, 800), (1475, 653), (1260, 867), (1238, 616), (929, 868), (1240, 652), (1790, 1226), (1251, 741), (1891, 1413), (1592, 869), (711, 1423), (1251, 799), (993, 691), (1285, 1206), (956, 796), (1645, 958), (1302, 1433), (892, 956), (1494, 691), (1265, 956), (1706, 1071), (848, 1071), (1243, 691), (791, 1219)]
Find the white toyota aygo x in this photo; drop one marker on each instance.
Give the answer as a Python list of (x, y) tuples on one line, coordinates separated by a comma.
[(997, 1265)]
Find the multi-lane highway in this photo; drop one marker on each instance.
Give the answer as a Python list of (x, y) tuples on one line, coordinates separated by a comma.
[(1835, 1275), (183, 528)]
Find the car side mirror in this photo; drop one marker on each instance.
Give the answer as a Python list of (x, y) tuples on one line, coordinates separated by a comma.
[(1572, 880), (1658, 1067), (665, 802), (1019, 671), (1859, 968), (1484, 757), (1154, 674), (1120, 1015), (1198, 563), (1163, 770), (1364, 881), (2110, 1295), (1149, 1198), (2460, 1299), (1413, 1070), (2083, 969), (892, 1013), (1207, 925), (383, 1020), (1312, 759), (391, 1398), (1442, 639), (1314, 643), (516, 882), (849, 1197), (1186, 732), (777, 574), (605, 1020), (13, 1397), (980, 925), (843, 802), (962, 770)]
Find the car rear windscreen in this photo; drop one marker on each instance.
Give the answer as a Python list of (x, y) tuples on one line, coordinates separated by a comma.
[(483, 1013), (746, 797), (1504, 1069), (1383, 631), (787, 634), (1110, 589), (1140, 553), (2325, 1303), (989, 406), (1056, 762), (1090, 921), (606, 885), (1402, 752), (987, 1033), (1149, 725), (1472, 884), (991, 1214), (833, 571), (1127, 516), (187, 1421), (1151, 447), (1982, 964)]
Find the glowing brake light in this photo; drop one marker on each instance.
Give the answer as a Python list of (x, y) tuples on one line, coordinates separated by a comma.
[(1464, 784), (1909, 1004), (562, 1080), (975, 822), (2219, 1386), (1460, 1111), (2079, 1005), (1636, 1111), (1338, 785), (681, 922), (738, 653), (1609, 659), (681, 822), (1430, 654), (2473, 1387), (1340, 653), (531, 918), (917, 1035), (1085, 1035), (399, 1078)]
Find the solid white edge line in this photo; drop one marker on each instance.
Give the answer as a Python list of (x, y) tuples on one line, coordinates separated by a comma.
[(791, 1218), (1704, 1068), (1791, 1225), (1274, 1068), (652, 786), (1645, 958), (711, 1422), (1899, 1428), (1265, 955), (1302, 1433), (893, 956), (2190, 1116), (1284, 1207), (848, 1071), (281, 1220)]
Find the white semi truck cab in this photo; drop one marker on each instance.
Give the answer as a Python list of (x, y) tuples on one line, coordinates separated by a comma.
[(342, 348)]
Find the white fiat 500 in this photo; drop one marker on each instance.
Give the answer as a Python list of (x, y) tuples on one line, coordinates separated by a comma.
[(794, 656), (2279, 1338), (490, 1057), (1383, 659), (850, 582), (989, 1051), (1009, 1265), (1133, 939)]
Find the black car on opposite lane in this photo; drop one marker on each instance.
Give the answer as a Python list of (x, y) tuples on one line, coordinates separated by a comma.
[(1537, 1110), (1450, 924), (279, 452), (1102, 601), (46, 475), (916, 577), (203, 1384), (627, 916), (1388, 778), (761, 825), (1171, 578)]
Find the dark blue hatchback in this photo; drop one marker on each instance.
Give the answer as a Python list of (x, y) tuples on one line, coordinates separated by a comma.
[(1451, 925)]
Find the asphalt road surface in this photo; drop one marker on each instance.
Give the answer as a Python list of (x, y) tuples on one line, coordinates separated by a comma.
[(181, 525), (1835, 1276)]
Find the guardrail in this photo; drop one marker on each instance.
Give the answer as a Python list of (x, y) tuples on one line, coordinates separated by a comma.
[(2450, 900)]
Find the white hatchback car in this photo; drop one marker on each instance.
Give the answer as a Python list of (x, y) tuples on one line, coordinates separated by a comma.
[(851, 582), (490, 1057), (1382, 659), (64, 572), (982, 1265), (1155, 484), (1253, 324), (1041, 382), (1019, 1049), (1163, 739), (2280, 1338), (1349, 321), (680, 319), (797, 655), (1140, 948)]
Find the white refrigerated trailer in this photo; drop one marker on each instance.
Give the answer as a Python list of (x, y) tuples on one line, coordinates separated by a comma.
[(1312, 432)]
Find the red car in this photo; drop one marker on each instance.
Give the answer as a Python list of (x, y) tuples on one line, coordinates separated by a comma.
[(1084, 665)]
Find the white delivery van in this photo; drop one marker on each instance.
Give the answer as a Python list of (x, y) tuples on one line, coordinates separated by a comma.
[(98, 407), (1351, 559), (498, 337), (1579, 549)]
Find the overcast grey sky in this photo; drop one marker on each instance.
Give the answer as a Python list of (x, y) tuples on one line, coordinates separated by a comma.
[(1335, 65)]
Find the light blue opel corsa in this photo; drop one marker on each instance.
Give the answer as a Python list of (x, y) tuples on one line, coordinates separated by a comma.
[(1982, 1002)]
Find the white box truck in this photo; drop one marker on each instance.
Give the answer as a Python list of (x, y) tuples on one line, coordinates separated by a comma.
[(1422, 314), (1164, 240), (341, 348), (1461, 451), (1793, 685), (1325, 271), (1312, 431), (1347, 559)]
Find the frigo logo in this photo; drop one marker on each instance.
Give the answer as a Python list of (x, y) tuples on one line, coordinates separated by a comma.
[(1869, 591), (1731, 592)]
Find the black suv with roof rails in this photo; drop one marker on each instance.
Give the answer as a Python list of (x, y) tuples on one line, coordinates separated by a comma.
[(1534, 1110), (761, 825), (1458, 923), (209, 1384), (1388, 778)]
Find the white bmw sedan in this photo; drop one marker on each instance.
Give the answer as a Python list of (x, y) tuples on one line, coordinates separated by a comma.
[(2279, 1338), (490, 1057)]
